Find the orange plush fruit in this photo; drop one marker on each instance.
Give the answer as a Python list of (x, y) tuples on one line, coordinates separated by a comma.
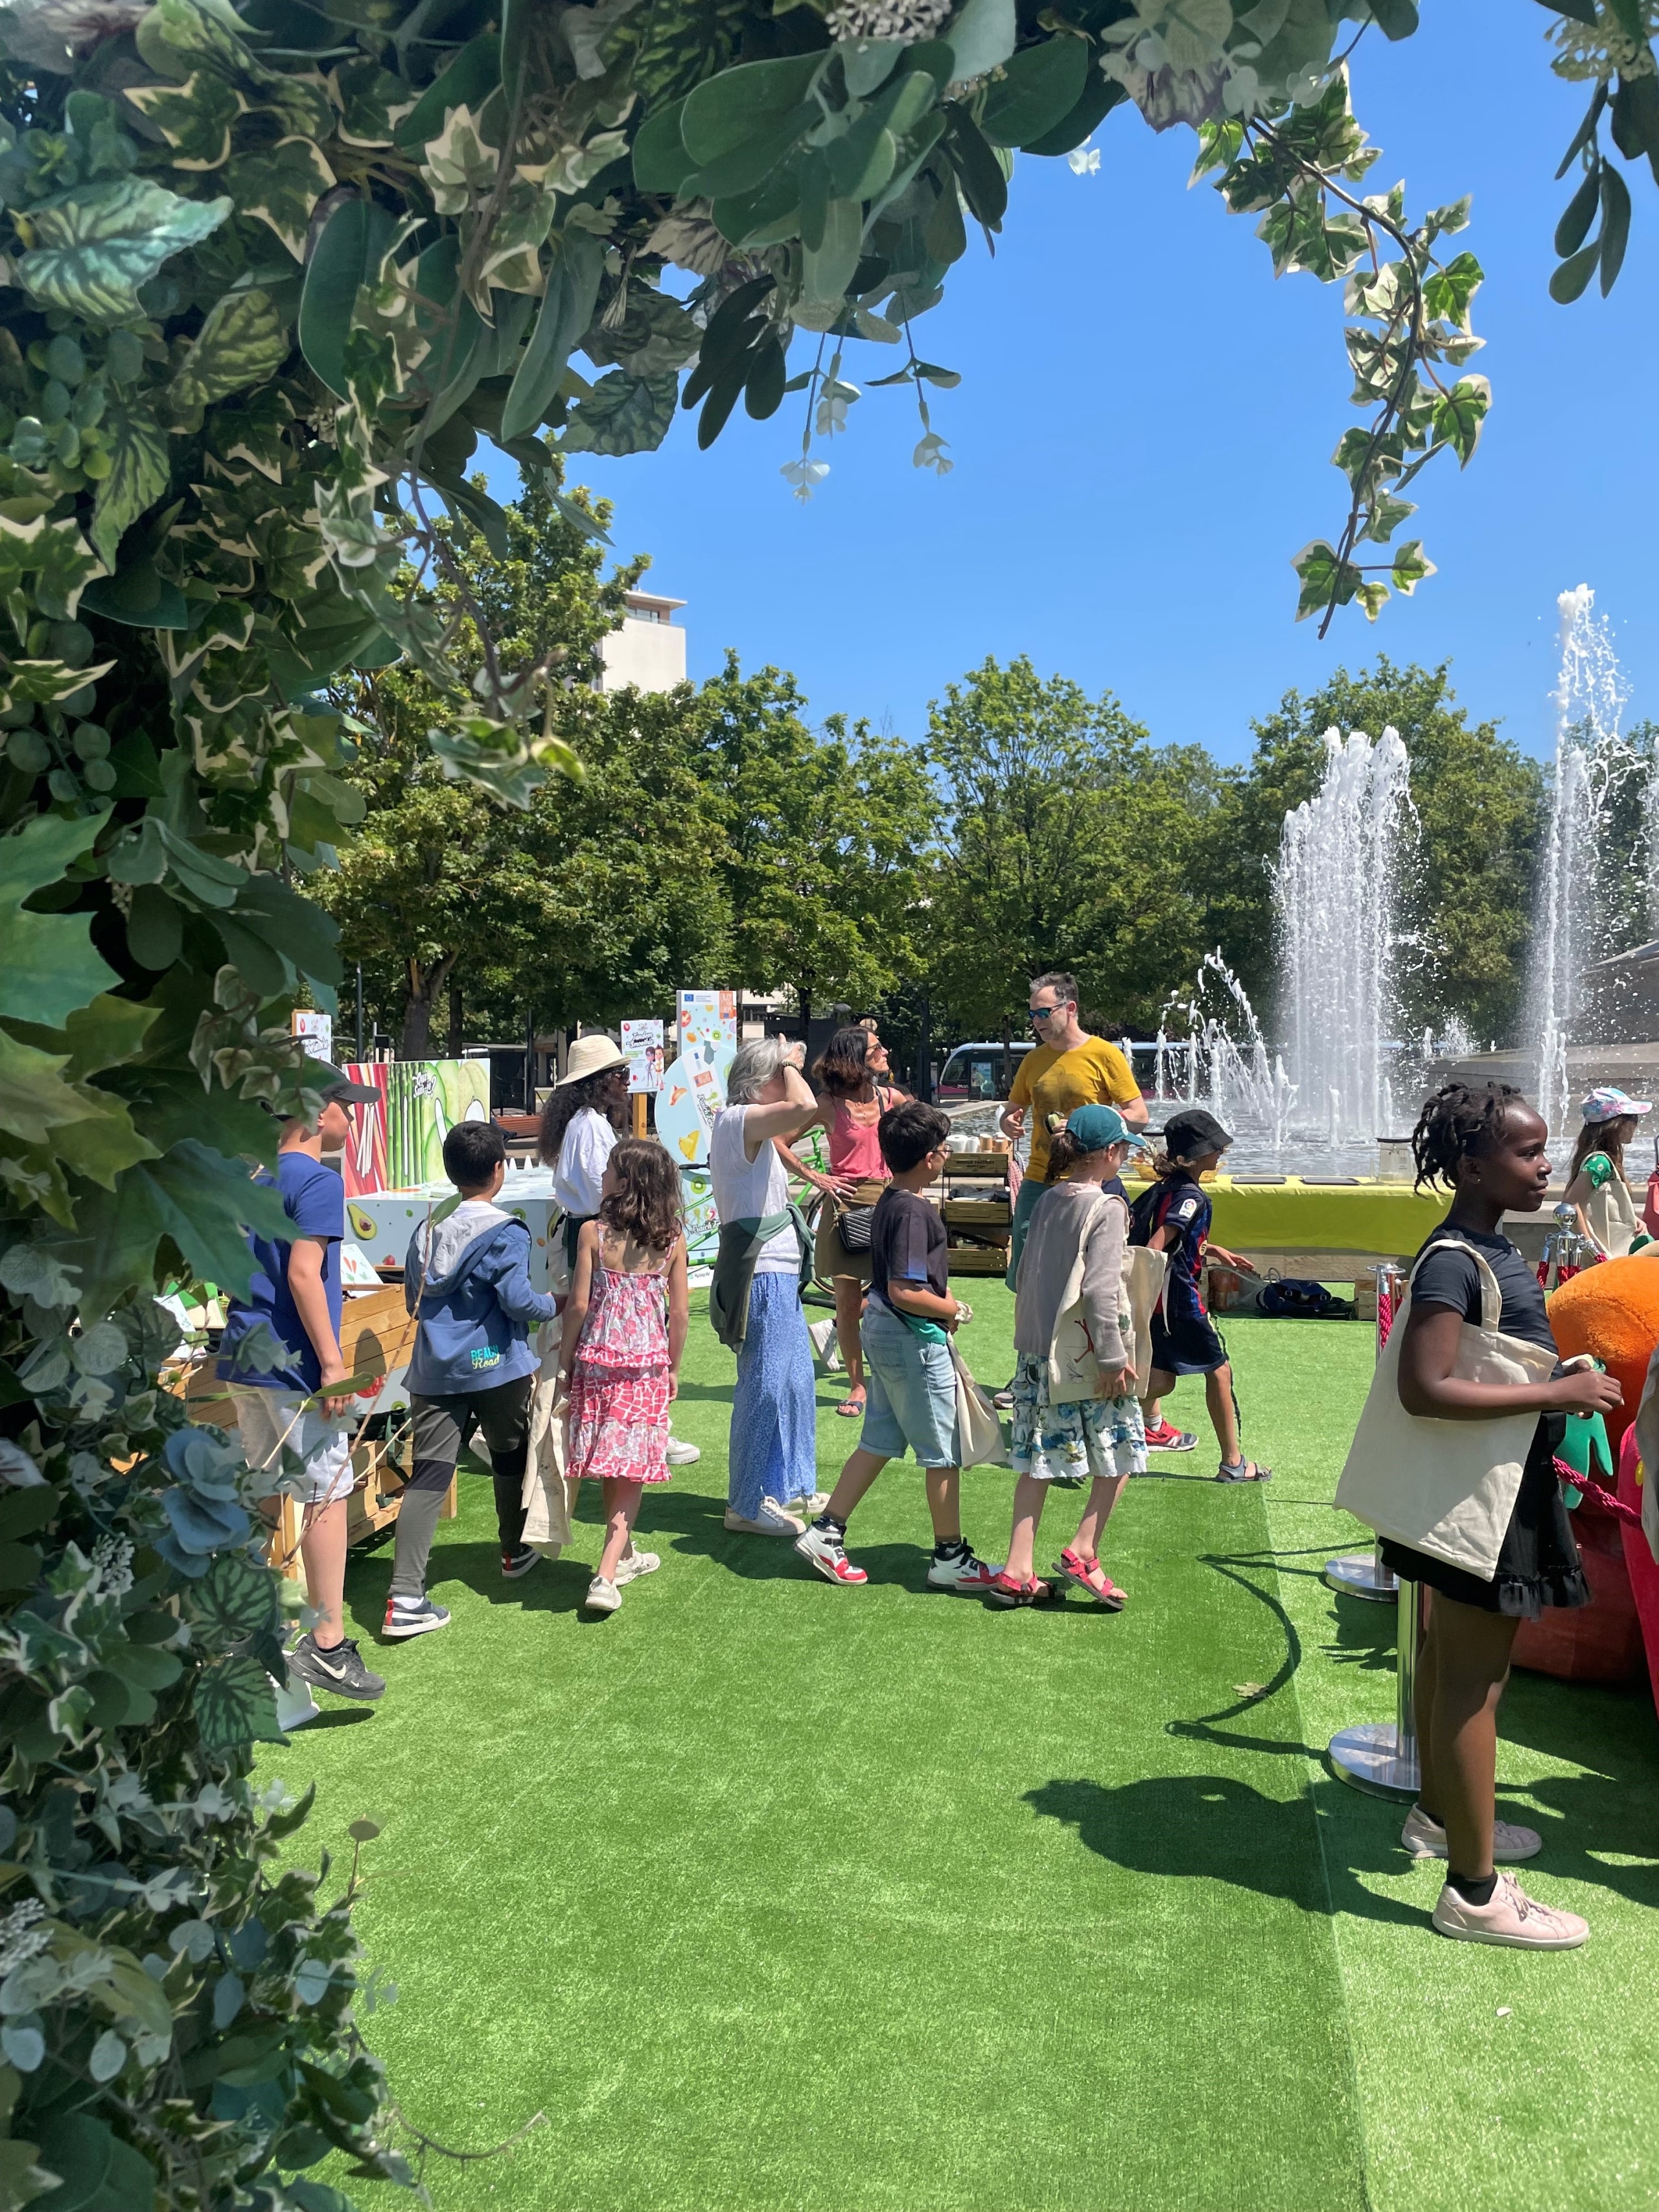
[(1612, 1311)]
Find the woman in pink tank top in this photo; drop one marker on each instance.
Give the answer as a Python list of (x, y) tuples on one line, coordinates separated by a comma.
[(853, 1080)]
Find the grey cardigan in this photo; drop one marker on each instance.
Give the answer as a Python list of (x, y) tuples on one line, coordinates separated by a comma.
[(1071, 1216)]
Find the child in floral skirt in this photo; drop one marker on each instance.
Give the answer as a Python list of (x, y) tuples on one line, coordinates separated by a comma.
[(624, 1330), (1074, 1248)]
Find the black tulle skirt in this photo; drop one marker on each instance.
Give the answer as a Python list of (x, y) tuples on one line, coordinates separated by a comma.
[(1538, 1561)]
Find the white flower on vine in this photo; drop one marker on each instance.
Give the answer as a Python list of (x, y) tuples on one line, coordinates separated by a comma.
[(906, 20), (832, 404), (1083, 161), (929, 454), (112, 1566), (20, 1937), (804, 475)]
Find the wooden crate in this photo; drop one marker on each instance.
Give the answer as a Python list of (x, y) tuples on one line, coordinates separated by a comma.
[(978, 1260), (989, 1214), (978, 1167)]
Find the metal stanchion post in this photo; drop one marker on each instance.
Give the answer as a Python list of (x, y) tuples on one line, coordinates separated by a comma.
[(1381, 1756)]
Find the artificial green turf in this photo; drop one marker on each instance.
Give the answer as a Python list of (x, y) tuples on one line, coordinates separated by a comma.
[(771, 1894)]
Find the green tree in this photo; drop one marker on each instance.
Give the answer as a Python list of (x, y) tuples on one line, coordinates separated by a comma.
[(1069, 840), (594, 898), (1478, 802), (826, 835)]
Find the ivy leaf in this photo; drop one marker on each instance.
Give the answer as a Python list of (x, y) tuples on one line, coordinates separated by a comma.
[(371, 101), (623, 415), (94, 247), (195, 118), (235, 1705), (50, 968), (1447, 292), (33, 1096), (1411, 565), (1325, 580), (139, 470), (281, 186), (1458, 416)]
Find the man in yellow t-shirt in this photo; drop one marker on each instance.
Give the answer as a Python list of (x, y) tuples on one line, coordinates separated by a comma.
[(1069, 1068)]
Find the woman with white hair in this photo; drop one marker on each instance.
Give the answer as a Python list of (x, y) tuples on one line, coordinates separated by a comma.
[(774, 1450)]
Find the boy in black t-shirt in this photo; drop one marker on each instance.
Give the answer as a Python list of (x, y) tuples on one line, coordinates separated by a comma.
[(911, 1403)]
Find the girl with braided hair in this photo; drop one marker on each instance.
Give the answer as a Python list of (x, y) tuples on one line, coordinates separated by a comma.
[(1488, 1146)]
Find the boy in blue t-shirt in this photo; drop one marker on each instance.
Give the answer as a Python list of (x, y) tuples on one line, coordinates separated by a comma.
[(296, 1294)]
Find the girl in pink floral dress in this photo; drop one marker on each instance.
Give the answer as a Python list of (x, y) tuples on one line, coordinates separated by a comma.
[(624, 1330)]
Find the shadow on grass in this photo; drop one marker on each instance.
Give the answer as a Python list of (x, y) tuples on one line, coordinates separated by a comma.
[(1212, 1827)]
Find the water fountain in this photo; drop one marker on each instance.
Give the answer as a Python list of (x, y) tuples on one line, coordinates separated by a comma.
[(1201, 1062), (1581, 872), (1340, 857)]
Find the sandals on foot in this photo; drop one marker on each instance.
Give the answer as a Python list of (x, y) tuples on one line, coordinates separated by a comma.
[(1243, 1470), (1009, 1589), (1089, 1575), (851, 1408)]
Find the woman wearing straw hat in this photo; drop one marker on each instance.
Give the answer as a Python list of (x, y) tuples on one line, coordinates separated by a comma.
[(584, 1116), (587, 1111)]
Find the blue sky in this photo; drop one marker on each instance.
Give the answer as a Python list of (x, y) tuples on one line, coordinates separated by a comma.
[(1142, 440)]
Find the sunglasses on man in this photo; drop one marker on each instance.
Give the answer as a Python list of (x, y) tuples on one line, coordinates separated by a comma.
[(1041, 1014)]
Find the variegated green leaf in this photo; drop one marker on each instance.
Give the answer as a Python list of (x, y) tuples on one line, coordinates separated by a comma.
[(371, 101), (460, 165), (249, 435), (281, 186), (56, 557), (243, 340), (623, 415), (195, 118), (91, 248), (137, 447)]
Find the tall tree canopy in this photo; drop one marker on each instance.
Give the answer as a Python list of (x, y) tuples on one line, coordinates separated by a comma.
[(1069, 839)]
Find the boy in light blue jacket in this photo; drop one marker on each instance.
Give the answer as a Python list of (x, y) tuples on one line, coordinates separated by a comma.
[(468, 1278)]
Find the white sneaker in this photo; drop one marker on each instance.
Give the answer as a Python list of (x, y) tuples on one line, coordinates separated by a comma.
[(682, 1454), (633, 1565), (1427, 1839), (962, 1572), (602, 1596), (1512, 1917), (770, 1520), (822, 1549), (814, 1506)]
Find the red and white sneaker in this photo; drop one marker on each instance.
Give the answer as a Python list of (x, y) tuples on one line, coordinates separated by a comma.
[(962, 1571), (822, 1549), (1164, 1435)]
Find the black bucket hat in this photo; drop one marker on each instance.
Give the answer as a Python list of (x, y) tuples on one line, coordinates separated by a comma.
[(1189, 1136)]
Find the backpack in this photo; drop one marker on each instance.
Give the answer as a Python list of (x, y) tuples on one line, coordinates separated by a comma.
[(1290, 1298), (1145, 1215)]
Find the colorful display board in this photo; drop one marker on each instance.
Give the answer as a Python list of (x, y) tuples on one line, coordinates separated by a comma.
[(400, 1142), (643, 1042)]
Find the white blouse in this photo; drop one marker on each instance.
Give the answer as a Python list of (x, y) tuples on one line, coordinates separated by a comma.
[(588, 1143)]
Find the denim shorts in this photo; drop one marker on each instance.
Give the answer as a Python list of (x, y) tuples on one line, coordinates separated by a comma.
[(910, 1403)]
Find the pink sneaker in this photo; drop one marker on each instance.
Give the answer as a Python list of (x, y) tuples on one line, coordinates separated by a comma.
[(1512, 1917)]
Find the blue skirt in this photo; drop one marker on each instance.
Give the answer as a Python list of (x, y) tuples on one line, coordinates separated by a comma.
[(774, 1450)]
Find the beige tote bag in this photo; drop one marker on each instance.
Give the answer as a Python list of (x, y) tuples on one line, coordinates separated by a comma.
[(1447, 1488), (1074, 1370), (979, 1433), (544, 1499)]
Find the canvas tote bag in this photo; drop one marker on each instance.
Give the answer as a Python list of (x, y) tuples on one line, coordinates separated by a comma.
[(544, 1499), (979, 1433), (1447, 1488), (1074, 1370)]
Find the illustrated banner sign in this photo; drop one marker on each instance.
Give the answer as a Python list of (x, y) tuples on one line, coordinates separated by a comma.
[(706, 1020), (693, 1087), (400, 1142), (318, 1030), (643, 1042)]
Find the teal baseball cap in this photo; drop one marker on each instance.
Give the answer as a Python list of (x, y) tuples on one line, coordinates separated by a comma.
[(1094, 1127)]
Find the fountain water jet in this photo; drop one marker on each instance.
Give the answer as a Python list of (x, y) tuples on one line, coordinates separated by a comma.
[(1336, 889)]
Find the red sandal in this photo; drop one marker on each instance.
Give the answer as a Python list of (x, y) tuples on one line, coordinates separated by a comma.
[(1009, 1589), (1089, 1575)]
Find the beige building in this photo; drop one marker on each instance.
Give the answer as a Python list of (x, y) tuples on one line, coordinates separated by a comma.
[(648, 651)]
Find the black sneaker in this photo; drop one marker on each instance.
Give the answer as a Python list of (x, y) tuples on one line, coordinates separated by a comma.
[(339, 1668), (515, 1564)]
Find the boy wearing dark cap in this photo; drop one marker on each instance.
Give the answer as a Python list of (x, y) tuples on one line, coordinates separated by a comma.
[(1173, 1217)]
